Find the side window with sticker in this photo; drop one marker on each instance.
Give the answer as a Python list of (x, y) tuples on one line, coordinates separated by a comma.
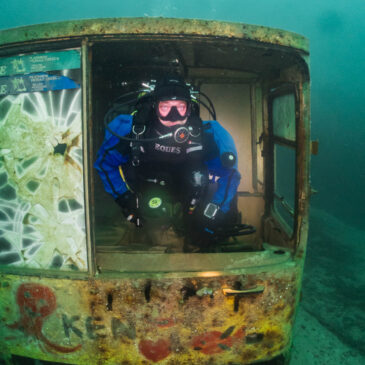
[(42, 221)]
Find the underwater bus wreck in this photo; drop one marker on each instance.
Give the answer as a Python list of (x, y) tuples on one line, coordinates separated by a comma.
[(71, 290)]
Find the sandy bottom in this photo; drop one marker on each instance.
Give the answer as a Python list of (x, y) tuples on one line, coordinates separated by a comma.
[(330, 326), (314, 344)]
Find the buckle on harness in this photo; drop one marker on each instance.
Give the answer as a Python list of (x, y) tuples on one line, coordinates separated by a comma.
[(138, 133)]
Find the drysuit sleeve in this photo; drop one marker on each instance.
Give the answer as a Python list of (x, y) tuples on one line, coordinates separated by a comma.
[(222, 163), (109, 160)]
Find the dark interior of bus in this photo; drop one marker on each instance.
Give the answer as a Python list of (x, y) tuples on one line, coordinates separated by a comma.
[(232, 74)]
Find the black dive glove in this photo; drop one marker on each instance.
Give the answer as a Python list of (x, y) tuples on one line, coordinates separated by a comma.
[(130, 207), (142, 115)]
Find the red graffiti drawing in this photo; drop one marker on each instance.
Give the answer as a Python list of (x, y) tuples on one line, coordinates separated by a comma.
[(215, 342), (36, 303), (155, 351)]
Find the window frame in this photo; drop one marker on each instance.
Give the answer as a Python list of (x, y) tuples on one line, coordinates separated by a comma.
[(273, 93)]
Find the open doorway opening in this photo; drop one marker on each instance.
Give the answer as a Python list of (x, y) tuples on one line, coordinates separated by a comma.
[(119, 69)]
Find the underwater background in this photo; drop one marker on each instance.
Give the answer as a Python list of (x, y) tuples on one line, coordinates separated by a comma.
[(331, 320)]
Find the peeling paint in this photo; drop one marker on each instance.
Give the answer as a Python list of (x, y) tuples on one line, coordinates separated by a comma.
[(164, 329)]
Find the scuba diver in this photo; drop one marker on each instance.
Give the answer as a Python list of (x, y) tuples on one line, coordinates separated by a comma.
[(163, 155)]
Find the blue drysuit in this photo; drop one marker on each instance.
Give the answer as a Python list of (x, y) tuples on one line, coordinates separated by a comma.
[(215, 142)]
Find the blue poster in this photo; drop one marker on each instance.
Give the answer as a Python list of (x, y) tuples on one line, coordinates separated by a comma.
[(40, 62), (36, 82)]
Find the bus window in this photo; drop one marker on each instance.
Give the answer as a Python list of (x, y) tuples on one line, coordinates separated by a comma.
[(42, 220), (284, 135), (284, 184), (115, 77)]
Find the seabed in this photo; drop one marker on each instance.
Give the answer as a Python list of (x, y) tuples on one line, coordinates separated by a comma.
[(330, 324)]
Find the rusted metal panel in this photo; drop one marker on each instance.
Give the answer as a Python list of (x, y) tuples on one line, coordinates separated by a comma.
[(143, 321), (162, 265), (303, 175), (123, 26)]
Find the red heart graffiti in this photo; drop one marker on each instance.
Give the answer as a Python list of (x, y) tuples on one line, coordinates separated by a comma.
[(155, 351)]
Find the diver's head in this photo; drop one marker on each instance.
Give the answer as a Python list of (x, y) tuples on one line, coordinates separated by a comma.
[(172, 101), (172, 112)]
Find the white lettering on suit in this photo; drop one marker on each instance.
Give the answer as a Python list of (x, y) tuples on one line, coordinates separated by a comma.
[(168, 149)]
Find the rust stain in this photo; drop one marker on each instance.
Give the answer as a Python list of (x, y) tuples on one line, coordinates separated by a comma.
[(74, 143), (72, 162), (66, 134), (165, 322)]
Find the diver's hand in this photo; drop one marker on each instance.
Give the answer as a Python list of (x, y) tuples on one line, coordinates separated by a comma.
[(129, 204), (142, 114)]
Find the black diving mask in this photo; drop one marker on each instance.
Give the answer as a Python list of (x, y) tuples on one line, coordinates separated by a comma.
[(174, 115)]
